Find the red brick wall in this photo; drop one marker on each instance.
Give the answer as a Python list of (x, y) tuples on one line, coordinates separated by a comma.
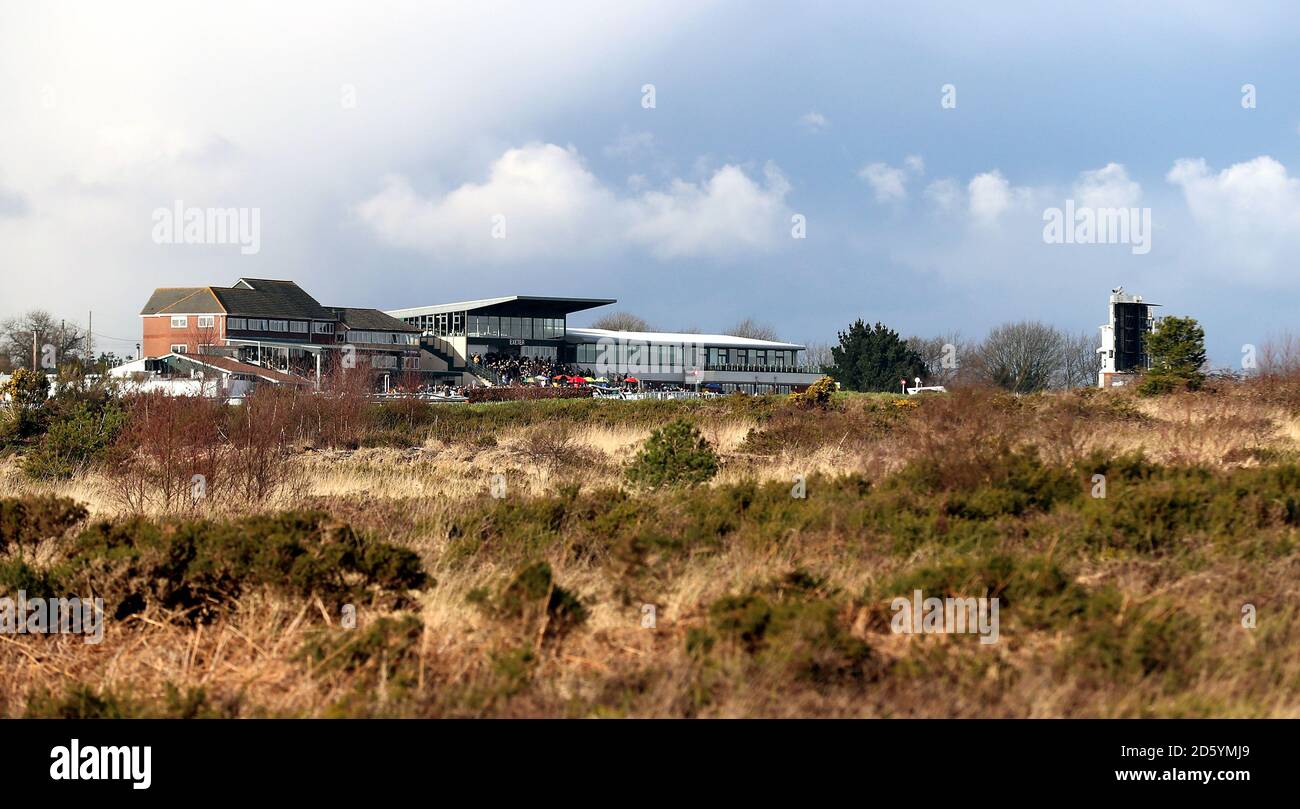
[(159, 336)]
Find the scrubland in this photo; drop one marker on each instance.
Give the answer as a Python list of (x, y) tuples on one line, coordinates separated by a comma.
[(498, 561)]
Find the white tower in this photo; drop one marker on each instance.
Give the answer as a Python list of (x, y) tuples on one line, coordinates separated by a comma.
[(1124, 339)]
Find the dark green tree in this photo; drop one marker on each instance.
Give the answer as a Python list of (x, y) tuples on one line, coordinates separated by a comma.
[(873, 358), (1177, 350), (675, 454)]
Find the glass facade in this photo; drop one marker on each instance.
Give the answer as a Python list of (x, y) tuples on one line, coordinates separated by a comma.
[(463, 324), (676, 355)]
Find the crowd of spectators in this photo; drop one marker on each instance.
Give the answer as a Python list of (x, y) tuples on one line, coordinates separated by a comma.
[(519, 370)]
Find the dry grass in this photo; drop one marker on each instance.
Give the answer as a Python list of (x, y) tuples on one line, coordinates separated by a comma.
[(250, 661)]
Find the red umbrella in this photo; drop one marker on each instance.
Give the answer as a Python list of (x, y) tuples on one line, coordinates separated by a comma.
[(631, 379)]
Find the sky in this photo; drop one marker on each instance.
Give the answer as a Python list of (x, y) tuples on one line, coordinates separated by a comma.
[(701, 162)]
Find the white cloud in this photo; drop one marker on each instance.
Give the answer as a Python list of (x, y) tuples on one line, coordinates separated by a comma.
[(552, 206), (729, 213), (990, 195), (1107, 187), (888, 183), (945, 194), (1248, 212), (814, 122)]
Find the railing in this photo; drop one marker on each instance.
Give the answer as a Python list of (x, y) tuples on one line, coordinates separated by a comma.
[(765, 369), (483, 372)]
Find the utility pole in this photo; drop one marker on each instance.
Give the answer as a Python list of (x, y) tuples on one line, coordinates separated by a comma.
[(90, 340)]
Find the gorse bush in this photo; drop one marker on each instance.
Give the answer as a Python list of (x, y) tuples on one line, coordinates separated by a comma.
[(818, 394), (25, 521), (197, 567), (676, 454), (76, 437), (791, 627), (531, 599)]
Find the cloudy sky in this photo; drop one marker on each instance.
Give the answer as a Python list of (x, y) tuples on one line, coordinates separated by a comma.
[(388, 147)]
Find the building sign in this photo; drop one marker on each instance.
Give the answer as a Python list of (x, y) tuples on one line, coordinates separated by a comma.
[(516, 342)]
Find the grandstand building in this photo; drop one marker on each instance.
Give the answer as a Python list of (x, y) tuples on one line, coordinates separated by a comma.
[(276, 324), (454, 334)]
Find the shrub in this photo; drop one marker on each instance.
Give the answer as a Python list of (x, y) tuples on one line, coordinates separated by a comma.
[(26, 389), (531, 598), (675, 454), (198, 566), (80, 701), (511, 393), (818, 394), (790, 627), (74, 440), (28, 520)]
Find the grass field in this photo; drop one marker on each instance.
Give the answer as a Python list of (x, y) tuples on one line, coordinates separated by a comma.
[(500, 564)]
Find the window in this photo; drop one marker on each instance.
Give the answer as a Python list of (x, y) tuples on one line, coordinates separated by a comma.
[(236, 324), (257, 325), (324, 328), (179, 321), (179, 349), (279, 325), (298, 326), (207, 321)]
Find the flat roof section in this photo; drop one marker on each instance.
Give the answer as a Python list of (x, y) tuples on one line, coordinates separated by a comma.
[(510, 305), (576, 335)]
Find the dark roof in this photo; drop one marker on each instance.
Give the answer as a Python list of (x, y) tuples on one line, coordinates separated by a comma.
[(522, 305), (372, 320), (182, 301), (256, 297)]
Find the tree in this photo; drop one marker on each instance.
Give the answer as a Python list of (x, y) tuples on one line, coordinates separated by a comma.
[(1177, 350), (817, 356), (1021, 357), (674, 455), (66, 339), (1080, 362), (940, 355), (621, 321), (873, 359), (753, 330)]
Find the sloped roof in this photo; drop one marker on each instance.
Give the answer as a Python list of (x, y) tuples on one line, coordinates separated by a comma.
[(559, 305), (372, 320), (256, 297), (230, 366), (182, 301)]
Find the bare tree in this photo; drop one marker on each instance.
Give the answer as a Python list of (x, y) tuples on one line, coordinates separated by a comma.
[(941, 355), (16, 338), (1080, 363), (818, 357), (1279, 355), (753, 330), (1022, 357), (621, 321)]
